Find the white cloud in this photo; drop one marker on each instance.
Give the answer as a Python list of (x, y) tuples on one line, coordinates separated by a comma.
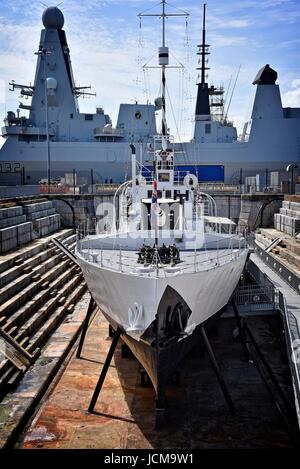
[(291, 98), (220, 40)]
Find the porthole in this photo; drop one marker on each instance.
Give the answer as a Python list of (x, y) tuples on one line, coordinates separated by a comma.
[(138, 115)]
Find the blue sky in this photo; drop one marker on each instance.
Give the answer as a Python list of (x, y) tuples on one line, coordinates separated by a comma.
[(108, 49)]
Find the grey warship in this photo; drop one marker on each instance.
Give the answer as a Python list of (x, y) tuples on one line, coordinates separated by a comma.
[(81, 142)]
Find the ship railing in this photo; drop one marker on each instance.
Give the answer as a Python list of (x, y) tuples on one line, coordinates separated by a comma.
[(108, 131), (212, 255), (220, 187), (178, 175)]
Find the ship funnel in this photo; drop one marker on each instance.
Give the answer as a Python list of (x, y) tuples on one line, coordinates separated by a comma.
[(265, 76), (267, 102)]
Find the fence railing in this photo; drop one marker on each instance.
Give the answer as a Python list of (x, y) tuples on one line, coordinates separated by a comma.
[(292, 334), (260, 296)]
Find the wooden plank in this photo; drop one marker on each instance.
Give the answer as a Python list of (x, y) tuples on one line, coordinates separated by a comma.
[(15, 357), (23, 355)]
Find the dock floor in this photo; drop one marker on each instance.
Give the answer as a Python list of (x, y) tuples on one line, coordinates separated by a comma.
[(197, 413)]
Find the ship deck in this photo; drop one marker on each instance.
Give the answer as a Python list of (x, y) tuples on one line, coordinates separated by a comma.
[(190, 261)]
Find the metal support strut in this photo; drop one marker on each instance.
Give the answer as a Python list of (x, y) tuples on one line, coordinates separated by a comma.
[(217, 370), (241, 329), (99, 385), (89, 313)]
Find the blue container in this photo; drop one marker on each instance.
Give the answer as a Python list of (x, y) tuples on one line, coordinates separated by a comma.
[(204, 172)]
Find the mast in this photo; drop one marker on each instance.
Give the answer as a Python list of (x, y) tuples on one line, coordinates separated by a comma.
[(203, 51), (163, 57), (202, 104), (163, 61)]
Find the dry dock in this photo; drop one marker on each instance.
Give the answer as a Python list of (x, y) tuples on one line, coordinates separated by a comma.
[(197, 413), (43, 302)]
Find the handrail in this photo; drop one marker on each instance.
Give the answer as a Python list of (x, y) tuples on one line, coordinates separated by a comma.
[(196, 259), (293, 359)]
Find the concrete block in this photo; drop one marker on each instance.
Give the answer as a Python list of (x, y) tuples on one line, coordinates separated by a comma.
[(293, 213), (8, 244), (24, 228), (37, 207), (24, 238), (47, 225), (285, 204), (8, 233), (5, 222), (41, 214), (295, 206), (11, 212)]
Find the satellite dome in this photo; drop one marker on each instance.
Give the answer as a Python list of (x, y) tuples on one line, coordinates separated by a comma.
[(51, 83), (53, 18)]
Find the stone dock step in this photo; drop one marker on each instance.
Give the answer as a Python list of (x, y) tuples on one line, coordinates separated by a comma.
[(8, 261), (26, 391), (25, 265), (38, 300), (43, 332), (27, 329), (40, 286)]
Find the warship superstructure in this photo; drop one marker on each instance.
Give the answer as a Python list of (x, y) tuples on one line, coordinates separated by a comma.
[(57, 131)]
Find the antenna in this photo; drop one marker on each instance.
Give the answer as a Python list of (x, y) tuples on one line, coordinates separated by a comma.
[(235, 82), (203, 49), (228, 89), (164, 61), (202, 111), (79, 91)]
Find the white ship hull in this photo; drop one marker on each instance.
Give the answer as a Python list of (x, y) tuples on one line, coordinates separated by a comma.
[(204, 292)]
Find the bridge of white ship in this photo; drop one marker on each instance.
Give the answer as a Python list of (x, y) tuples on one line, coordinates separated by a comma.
[(142, 258)]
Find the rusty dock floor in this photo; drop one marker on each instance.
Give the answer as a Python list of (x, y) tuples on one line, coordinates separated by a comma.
[(197, 413)]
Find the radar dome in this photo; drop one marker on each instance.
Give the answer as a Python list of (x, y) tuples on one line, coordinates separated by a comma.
[(51, 83), (53, 18)]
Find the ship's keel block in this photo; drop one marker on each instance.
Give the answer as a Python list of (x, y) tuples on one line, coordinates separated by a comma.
[(160, 418), (111, 331), (145, 381), (160, 412), (173, 380), (126, 352)]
